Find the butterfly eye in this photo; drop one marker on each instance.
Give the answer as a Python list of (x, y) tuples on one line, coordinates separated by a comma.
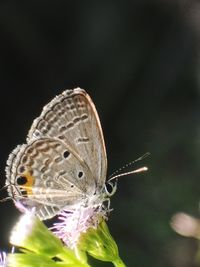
[(80, 174), (66, 154), (111, 187), (21, 180)]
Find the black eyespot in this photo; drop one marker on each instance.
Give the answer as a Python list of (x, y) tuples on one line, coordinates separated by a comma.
[(72, 185), (66, 154), (80, 174), (21, 180)]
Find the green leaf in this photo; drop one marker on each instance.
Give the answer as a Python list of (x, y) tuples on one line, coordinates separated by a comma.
[(99, 243)]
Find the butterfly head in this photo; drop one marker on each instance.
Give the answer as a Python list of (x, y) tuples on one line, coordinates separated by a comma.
[(110, 187)]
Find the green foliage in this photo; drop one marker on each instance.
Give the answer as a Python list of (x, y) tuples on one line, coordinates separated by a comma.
[(40, 247)]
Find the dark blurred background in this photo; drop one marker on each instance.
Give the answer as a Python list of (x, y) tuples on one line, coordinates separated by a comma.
[(139, 61)]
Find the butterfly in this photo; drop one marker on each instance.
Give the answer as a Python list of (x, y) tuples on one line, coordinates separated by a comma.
[(63, 164), (64, 161)]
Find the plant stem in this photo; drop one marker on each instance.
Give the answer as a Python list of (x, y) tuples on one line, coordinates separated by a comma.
[(119, 263)]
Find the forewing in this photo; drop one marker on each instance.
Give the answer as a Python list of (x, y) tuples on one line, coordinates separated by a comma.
[(72, 117), (47, 175)]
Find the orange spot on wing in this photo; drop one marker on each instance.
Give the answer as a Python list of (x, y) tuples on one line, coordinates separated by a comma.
[(29, 184)]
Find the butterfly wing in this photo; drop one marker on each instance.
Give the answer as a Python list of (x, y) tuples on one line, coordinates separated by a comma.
[(72, 117), (47, 175)]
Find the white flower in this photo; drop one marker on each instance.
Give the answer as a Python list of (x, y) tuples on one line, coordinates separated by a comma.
[(75, 221), (2, 259)]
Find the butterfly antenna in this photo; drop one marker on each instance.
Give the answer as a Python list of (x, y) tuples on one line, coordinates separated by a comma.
[(115, 174), (3, 187), (5, 198), (128, 173), (9, 197)]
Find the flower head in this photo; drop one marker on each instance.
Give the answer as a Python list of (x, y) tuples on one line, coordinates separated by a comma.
[(84, 230), (72, 223)]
